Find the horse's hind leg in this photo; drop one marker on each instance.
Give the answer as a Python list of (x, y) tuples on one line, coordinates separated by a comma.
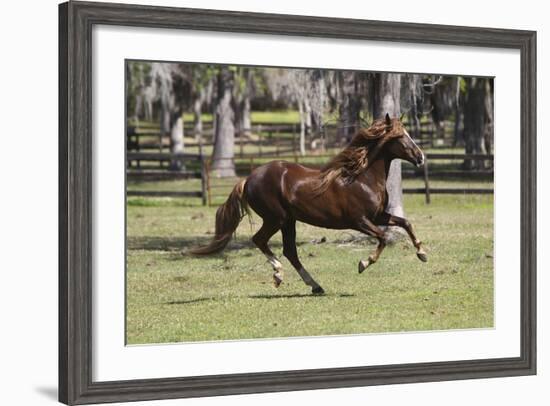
[(371, 229), (289, 251), (391, 220), (266, 231)]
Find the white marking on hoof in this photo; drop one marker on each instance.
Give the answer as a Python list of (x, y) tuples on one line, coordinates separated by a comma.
[(365, 264), (277, 279), (275, 264), (422, 255)]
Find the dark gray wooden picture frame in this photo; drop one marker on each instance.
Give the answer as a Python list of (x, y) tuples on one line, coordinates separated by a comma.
[(76, 20)]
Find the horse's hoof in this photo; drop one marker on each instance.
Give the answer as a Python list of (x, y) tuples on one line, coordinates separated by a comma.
[(318, 291), (422, 256), (277, 280), (364, 265)]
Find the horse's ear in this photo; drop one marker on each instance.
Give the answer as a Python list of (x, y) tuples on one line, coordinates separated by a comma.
[(388, 119)]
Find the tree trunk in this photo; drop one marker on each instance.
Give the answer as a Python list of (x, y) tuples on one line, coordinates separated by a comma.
[(246, 121), (438, 113), (165, 125), (318, 103), (176, 141), (302, 128), (413, 113), (223, 164), (148, 106), (164, 117), (349, 107), (475, 121), (387, 90), (458, 115), (488, 135), (197, 114), (307, 115)]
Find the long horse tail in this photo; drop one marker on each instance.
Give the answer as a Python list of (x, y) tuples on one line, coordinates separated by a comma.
[(228, 217)]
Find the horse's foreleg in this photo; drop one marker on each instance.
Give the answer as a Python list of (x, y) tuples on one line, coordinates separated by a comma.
[(374, 256), (371, 229), (289, 251), (261, 238), (391, 220)]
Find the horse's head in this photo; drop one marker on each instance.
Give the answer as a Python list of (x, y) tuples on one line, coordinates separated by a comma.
[(385, 139), (397, 143)]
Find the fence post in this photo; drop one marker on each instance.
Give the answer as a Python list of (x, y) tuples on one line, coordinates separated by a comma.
[(277, 141), (138, 150), (294, 139), (432, 132), (200, 146), (426, 181), (207, 174), (160, 148), (241, 134), (204, 176), (260, 139)]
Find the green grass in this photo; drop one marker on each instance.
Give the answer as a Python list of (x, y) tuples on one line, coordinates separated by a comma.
[(175, 298), (257, 117), (190, 117), (275, 117)]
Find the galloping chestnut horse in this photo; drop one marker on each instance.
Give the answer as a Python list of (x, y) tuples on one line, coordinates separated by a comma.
[(347, 193)]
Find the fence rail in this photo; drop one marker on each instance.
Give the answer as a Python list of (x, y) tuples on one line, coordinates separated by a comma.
[(147, 174), (164, 193), (427, 190), (209, 187), (260, 139)]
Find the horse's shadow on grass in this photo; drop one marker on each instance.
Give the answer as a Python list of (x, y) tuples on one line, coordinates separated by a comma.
[(264, 296), (157, 243), (299, 295), (181, 245), (191, 301)]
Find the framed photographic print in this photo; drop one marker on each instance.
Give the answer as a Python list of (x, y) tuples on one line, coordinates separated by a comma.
[(258, 202)]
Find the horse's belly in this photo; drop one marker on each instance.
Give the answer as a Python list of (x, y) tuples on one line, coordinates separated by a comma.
[(319, 211), (337, 209), (320, 220)]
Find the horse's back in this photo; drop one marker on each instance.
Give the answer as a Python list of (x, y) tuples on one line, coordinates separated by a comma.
[(266, 187), (274, 171)]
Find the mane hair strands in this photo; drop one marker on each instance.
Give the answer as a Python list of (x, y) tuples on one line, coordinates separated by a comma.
[(360, 152)]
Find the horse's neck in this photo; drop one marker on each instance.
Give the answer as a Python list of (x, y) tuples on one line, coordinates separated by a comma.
[(377, 173)]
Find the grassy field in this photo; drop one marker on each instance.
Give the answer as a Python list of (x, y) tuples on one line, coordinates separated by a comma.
[(175, 298)]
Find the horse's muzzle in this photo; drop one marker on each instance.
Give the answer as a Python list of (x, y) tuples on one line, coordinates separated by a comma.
[(420, 161)]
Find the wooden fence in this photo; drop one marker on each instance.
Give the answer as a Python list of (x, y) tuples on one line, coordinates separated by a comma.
[(431, 157), (149, 159), (193, 167), (218, 187), (261, 139), (280, 139)]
